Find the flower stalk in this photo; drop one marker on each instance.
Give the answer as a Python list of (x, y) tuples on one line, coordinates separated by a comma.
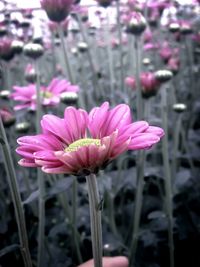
[(16, 198), (168, 182), (40, 177), (65, 54), (120, 46), (138, 205), (110, 56), (95, 219)]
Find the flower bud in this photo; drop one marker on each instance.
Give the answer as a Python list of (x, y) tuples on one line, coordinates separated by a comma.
[(57, 11), (22, 127), (163, 75), (7, 117), (136, 23), (69, 97), (17, 46), (179, 107), (186, 28), (146, 61), (174, 27), (33, 51), (82, 47), (30, 74), (4, 94), (130, 82), (149, 84), (104, 3), (25, 23), (74, 51), (6, 52), (3, 31)]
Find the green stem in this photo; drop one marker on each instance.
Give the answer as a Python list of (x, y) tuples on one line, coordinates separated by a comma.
[(95, 219), (176, 144), (16, 198), (110, 57), (65, 54), (120, 46), (40, 178), (138, 205), (67, 210), (96, 84), (74, 222), (168, 182), (139, 103), (38, 97), (41, 226), (113, 226)]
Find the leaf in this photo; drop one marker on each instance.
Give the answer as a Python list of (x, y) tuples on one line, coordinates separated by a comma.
[(182, 179), (60, 186), (33, 196), (8, 249), (156, 214)]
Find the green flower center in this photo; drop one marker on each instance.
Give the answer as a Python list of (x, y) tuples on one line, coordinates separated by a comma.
[(46, 94), (82, 142)]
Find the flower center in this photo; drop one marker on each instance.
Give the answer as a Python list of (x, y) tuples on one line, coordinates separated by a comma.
[(82, 142), (46, 94)]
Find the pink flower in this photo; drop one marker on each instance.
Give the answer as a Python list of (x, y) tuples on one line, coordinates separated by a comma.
[(149, 84), (82, 143), (6, 52), (165, 51), (50, 95), (57, 10), (130, 82)]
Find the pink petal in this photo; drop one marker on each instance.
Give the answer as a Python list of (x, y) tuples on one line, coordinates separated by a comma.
[(76, 121), (143, 141), (118, 117), (97, 118), (155, 130)]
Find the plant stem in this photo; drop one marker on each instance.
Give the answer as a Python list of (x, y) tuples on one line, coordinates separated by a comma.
[(168, 182), (138, 205), (65, 54), (16, 198), (38, 97), (140, 156), (95, 219), (110, 56), (120, 46), (40, 178), (94, 70), (41, 226), (176, 144), (137, 53), (74, 222)]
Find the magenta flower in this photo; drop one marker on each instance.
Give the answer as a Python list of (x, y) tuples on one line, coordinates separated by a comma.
[(165, 51), (130, 82), (57, 10), (6, 51), (149, 84), (50, 95), (82, 143)]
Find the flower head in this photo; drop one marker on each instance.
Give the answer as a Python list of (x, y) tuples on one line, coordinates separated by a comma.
[(149, 84), (50, 95), (57, 10), (6, 51), (82, 143)]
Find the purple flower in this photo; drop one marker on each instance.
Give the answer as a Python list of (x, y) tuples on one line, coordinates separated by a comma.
[(57, 10), (50, 95), (82, 143)]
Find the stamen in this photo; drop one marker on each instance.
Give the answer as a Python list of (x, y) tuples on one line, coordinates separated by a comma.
[(82, 142)]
